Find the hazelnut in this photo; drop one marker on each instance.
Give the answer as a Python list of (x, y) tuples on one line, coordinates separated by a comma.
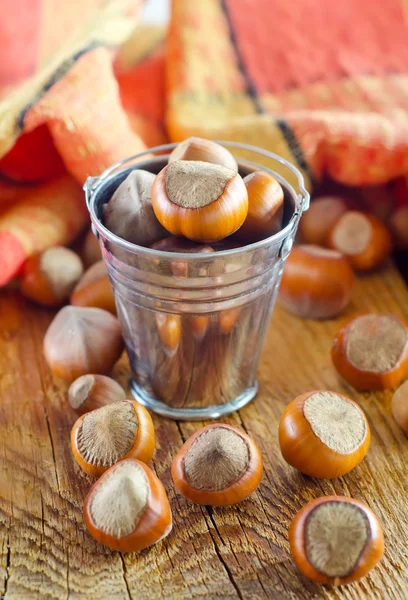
[(323, 434), (89, 392), (129, 213), (82, 340), (265, 207), (202, 201), (94, 289), (371, 352), (362, 238), (102, 437), (317, 283), (127, 509), (50, 276), (317, 222), (399, 406), (194, 148), (336, 540), (219, 465)]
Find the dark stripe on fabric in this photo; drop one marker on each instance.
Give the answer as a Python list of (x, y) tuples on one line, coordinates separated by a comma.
[(4, 178), (294, 146), (285, 129), (250, 87), (55, 77)]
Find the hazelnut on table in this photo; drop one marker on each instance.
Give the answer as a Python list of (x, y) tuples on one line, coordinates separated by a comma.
[(362, 238), (323, 434), (127, 509), (371, 352), (89, 392), (336, 540), (50, 276), (103, 437), (82, 340), (219, 465), (317, 283), (94, 289), (317, 222)]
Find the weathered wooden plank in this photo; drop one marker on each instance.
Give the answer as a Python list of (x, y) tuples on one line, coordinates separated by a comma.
[(297, 359), (57, 557), (216, 553), (40, 490)]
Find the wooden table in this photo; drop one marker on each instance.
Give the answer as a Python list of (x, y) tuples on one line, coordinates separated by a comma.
[(213, 553)]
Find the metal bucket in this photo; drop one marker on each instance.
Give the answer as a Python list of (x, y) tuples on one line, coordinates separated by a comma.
[(194, 339)]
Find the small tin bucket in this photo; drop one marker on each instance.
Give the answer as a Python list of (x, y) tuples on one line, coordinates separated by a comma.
[(194, 325)]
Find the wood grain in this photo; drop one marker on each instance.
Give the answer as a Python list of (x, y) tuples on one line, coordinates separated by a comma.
[(214, 553)]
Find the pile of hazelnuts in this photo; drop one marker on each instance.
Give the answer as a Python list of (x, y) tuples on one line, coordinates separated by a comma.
[(336, 241), (196, 200), (369, 353), (199, 200), (319, 278), (322, 433), (113, 441)]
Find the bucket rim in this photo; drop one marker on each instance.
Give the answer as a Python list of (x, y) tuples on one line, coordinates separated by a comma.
[(94, 185)]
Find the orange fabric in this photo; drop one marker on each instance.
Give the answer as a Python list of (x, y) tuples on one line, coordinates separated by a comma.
[(73, 108), (43, 216), (33, 158), (71, 86), (299, 43), (325, 85), (19, 31), (61, 100), (140, 72)]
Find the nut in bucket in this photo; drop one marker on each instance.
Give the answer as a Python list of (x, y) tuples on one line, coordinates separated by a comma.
[(194, 322)]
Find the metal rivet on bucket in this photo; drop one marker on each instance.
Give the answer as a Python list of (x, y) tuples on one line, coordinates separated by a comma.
[(286, 248)]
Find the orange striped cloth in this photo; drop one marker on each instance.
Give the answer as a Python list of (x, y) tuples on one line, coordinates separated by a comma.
[(60, 110), (325, 85)]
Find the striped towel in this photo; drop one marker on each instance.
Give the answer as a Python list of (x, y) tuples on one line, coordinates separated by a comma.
[(323, 84)]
